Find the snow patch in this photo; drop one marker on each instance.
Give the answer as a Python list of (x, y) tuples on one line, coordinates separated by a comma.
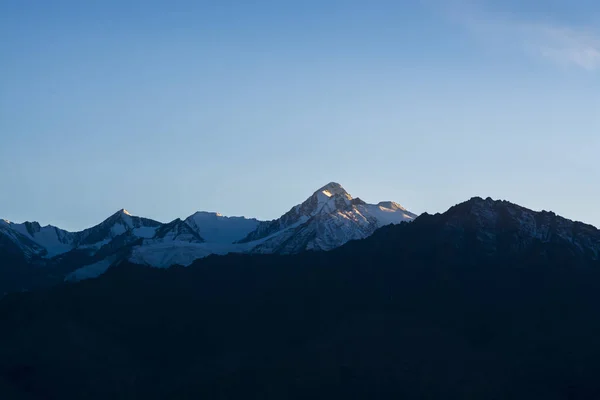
[(163, 255), (385, 216), (89, 271), (145, 232), (117, 229), (96, 245)]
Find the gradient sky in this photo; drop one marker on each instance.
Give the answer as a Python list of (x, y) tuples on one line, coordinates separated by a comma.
[(247, 107)]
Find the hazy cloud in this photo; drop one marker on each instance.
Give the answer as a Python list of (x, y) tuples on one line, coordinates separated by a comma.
[(555, 41), (566, 46)]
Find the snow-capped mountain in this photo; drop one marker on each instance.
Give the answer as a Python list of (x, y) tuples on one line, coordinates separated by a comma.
[(327, 219), (53, 241), (175, 231), (201, 234), (216, 228), (120, 223), (14, 242), (144, 240), (46, 241)]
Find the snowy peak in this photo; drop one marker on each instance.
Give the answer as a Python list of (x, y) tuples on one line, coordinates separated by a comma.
[(121, 215), (129, 219), (333, 189), (33, 227), (333, 198), (177, 231), (117, 224), (209, 215), (328, 218), (391, 205), (327, 199), (19, 242), (330, 196), (51, 239)]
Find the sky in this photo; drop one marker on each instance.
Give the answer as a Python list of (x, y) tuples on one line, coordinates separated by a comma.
[(246, 108)]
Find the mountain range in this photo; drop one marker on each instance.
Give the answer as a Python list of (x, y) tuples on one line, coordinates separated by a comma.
[(329, 218), (488, 300), (34, 256)]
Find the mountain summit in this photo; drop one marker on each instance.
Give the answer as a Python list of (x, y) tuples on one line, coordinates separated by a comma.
[(334, 189), (329, 218)]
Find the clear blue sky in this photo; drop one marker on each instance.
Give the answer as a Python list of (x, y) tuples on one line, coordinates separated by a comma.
[(247, 107)]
